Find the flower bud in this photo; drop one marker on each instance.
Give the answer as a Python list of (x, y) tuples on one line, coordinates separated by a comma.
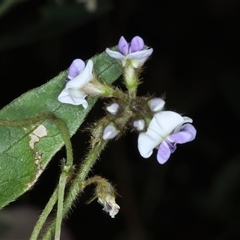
[(109, 205), (110, 132), (113, 108), (139, 124), (156, 104)]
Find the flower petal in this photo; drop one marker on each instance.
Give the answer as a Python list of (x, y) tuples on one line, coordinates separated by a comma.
[(114, 54), (163, 153), (144, 54), (109, 205), (84, 77), (185, 120), (191, 130), (123, 46), (147, 142), (75, 68), (187, 134), (137, 44), (66, 97), (165, 122), (139, 58)]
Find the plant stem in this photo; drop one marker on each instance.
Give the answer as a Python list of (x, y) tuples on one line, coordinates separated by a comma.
[(42, 219), (63, 207), (76, 185), (61, 191), (58, 195)]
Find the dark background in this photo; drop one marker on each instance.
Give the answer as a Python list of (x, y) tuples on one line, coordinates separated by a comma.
[(195, 63)]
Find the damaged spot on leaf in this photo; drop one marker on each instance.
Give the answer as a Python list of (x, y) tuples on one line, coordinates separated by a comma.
[(35, 137), (38, 158), (38, 133)]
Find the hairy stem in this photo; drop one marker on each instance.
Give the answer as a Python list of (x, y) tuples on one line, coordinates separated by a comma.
[(76, 185), (42, 219), (61, 191)]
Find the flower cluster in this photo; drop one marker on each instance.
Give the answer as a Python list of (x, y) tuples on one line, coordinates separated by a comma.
[(158, 129)]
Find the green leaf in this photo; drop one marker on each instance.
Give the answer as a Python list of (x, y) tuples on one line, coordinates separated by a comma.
[(22, 158)]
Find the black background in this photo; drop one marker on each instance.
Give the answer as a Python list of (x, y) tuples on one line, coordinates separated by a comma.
[(195, 63)]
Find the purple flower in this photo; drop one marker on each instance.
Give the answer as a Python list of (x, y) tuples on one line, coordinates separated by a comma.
[(78, 76), (133, 52), (165, 130), (109, 205)]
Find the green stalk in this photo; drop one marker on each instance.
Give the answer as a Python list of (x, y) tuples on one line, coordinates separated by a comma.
[(42, 219), (76, 185), (58, 195), (61, 191)]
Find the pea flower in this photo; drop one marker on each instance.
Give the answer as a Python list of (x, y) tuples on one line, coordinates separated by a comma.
[(133, 52), (78, 76), (109, 205), (165, 130)]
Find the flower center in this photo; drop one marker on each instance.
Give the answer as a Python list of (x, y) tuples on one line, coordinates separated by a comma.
[(136, 107)]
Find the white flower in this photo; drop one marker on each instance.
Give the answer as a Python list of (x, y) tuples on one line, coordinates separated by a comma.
[(162, 127), (79, 75)]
